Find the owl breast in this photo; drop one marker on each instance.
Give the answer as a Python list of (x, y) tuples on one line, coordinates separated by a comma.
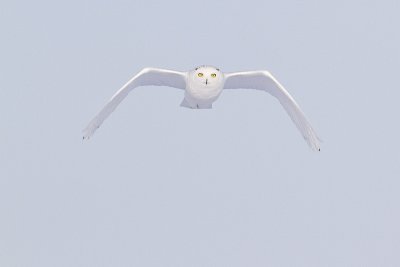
[(202, 96)]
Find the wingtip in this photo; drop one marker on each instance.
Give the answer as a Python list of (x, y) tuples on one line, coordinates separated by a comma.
[(87, 136), (88, 132)]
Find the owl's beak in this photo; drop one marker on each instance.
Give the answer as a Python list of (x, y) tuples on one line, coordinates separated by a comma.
[(206, 81)]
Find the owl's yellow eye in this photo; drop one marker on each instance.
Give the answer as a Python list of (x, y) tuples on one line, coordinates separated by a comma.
[(200, 74), (213, 75)]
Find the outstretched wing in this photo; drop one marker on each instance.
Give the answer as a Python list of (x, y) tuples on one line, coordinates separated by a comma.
[(263, 80), (147, 76)]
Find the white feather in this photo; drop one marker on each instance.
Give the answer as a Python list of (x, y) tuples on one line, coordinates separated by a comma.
[(203, 86), (263, 80), (148, 76)]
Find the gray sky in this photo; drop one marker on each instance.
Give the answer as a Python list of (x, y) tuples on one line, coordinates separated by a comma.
[(160, 185)]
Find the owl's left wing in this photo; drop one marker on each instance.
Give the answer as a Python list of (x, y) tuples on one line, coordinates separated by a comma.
[(263, 80), (147, 76)]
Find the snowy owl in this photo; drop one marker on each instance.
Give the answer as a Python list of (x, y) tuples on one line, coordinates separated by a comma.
[(202, 86)]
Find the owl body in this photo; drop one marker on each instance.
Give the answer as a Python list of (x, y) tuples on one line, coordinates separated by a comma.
[(203, 87)]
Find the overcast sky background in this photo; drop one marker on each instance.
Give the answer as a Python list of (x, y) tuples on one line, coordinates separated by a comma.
[(161, 185)]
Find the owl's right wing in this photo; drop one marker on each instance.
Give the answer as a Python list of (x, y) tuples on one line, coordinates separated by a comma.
[(263, 80), (147, 76)]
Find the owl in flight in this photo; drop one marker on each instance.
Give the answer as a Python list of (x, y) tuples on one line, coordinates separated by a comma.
[(202, 86)]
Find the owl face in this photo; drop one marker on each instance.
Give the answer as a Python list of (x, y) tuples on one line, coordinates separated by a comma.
[(206, 77)]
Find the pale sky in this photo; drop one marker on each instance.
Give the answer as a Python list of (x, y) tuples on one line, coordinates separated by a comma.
[(161, 185)]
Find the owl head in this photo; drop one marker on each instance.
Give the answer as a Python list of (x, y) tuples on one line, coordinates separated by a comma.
[(206, 76)]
